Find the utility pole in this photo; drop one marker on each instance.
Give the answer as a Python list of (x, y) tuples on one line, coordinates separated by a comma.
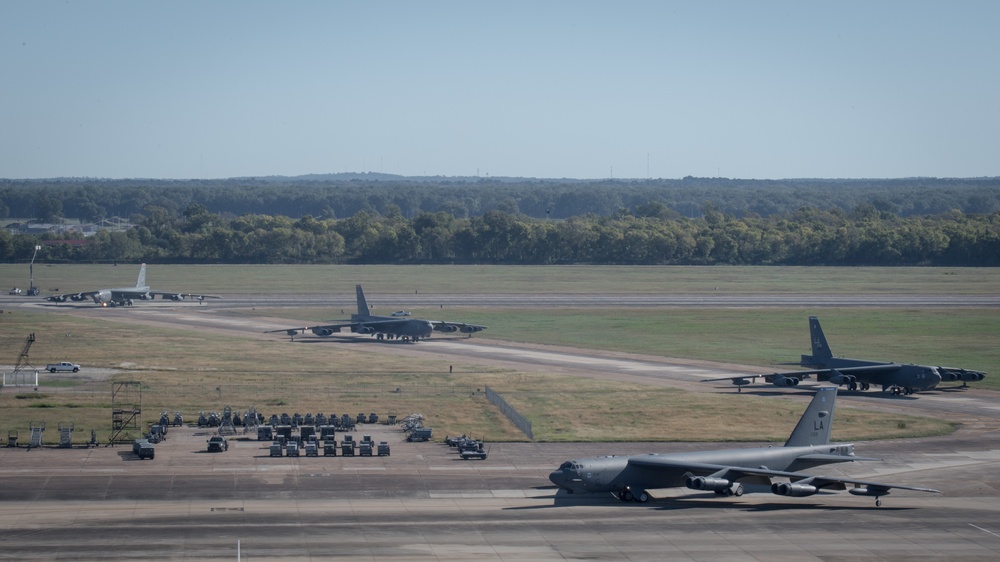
[(32, 289)]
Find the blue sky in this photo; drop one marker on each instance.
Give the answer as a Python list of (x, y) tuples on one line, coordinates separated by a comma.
[(578, 89)]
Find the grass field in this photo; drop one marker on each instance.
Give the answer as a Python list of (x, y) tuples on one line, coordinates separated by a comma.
[(222, 279), (962, 337), (182, 370)]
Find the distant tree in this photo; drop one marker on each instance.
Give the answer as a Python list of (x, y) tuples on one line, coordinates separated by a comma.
[(48, 208)]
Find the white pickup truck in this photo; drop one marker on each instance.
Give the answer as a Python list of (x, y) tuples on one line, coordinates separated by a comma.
[(65, 366)]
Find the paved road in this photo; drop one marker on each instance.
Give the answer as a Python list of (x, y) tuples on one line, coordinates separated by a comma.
[(403, 300), (423, 503)]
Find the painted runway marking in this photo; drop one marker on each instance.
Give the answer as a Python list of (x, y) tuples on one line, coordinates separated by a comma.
[(984, 530)]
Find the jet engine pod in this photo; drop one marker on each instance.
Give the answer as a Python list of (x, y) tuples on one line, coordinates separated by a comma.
[(322, 331), (448, 328), (707, 483), (470, 329), (366, 330), (740, 382), (785, 381), (840, 379), (793, 490)]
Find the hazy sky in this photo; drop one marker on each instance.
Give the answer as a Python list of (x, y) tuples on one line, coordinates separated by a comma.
[(741, 89)]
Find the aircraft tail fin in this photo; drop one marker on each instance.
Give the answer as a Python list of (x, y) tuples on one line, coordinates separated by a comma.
[(362, 303), (814, 425), (820, 349), (141, 281)]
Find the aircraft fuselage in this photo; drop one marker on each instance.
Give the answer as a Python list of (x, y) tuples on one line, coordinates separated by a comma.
[(886, 375), (614, 473), (411, 328)]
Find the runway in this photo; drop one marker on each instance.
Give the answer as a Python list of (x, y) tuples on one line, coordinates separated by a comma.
[(711, 300), (394, 301), (423, 503)]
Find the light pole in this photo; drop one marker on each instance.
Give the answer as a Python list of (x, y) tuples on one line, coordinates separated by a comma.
[(32, 289)]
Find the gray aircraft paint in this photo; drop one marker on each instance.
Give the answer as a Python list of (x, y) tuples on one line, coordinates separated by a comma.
[(725, 471), (401, 327), (859, 374), (122, 295)]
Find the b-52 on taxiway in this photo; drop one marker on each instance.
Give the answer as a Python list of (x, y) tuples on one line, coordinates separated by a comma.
[(125, 296), (401, 327), (724, 472), (860, 374)]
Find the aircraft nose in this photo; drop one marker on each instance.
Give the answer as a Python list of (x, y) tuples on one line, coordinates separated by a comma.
[(559, 478)]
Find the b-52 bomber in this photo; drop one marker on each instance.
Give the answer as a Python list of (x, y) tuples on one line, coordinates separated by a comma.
[(860, 374), (124, 296), (725, 472), (396, 327)]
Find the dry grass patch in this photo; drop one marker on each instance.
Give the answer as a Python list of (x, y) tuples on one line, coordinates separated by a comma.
[(636, 413), (194, 371)]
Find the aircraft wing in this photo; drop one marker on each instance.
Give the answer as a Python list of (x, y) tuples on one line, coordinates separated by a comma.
[(443, 326), (181, 296), (85, 295), (791, 378), (322, 330), (777, 379), (371, 326), (733, 473)]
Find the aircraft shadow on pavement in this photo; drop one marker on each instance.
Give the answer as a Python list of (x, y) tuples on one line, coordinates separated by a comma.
[(766, 506), (78, 306), (357, 340), (347, 339), (842, 392), (697, 501), (949, 389)]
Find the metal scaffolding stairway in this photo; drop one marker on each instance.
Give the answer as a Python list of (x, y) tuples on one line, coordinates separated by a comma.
[(66, 435), (22, 359), (126, 412), (36, 434), (251, 421), (227, 427), (24, 373)]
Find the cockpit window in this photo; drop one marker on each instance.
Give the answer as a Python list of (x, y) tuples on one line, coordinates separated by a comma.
[(566, 465)]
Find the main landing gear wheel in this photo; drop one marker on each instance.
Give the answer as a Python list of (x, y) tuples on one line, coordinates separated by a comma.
[(734, 490), (629, 496)]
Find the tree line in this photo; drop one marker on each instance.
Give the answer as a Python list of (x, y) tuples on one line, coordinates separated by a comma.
[(345, 195), (651, 233)]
